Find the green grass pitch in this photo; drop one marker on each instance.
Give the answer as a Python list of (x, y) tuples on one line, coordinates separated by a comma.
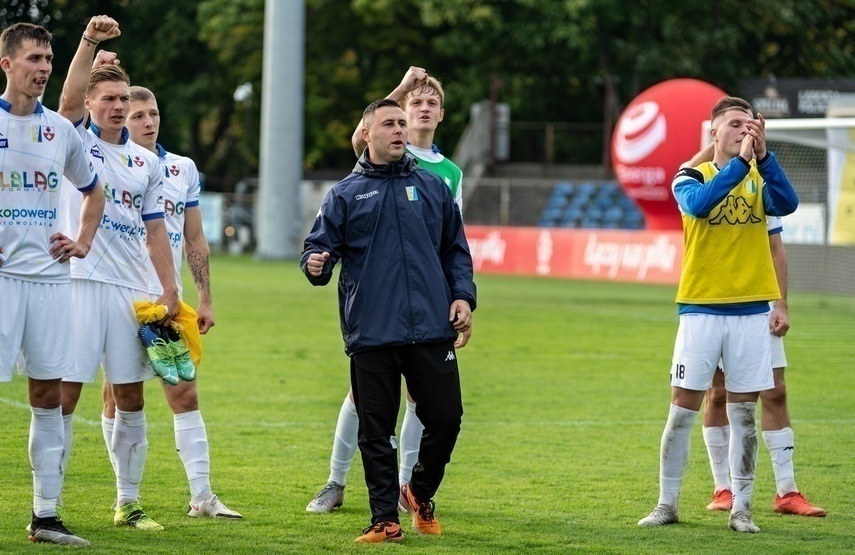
[(565, 390)]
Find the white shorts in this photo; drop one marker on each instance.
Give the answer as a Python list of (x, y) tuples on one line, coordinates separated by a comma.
[(779, 357), (742, 343), (36, 322), (106, 333)]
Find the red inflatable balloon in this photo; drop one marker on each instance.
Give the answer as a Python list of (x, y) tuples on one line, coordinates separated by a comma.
[(658, 131)]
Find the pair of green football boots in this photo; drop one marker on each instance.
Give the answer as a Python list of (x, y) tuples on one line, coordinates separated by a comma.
[(169, 355)]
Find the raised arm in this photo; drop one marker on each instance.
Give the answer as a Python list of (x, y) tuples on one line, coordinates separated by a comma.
[(72, 104), (415, 77)]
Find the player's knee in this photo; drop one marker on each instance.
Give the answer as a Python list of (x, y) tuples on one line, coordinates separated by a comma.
[(129, 399), (716, 396), (775, 398), (182, 398)]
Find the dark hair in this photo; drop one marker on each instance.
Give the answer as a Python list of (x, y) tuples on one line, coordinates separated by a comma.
[(107, 73), (368, 114), (13, 37), (731, 103)]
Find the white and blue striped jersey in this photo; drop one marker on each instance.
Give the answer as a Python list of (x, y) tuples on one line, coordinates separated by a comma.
[(36, 151), (131, 178), (181, 189)]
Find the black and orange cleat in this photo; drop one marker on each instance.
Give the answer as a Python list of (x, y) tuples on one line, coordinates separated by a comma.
[(424, 520), (385, 531)]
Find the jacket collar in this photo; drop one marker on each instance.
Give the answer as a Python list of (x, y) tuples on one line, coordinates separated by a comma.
[(403, 167)]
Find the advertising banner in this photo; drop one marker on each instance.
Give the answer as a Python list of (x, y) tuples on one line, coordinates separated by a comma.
[(604, 255)]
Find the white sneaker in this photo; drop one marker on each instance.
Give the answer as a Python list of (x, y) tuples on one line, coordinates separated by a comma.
[(740, 521), (662, 514), (328, 499), (212, 507)]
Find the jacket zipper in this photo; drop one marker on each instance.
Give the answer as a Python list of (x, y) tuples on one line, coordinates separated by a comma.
[(404, 258)]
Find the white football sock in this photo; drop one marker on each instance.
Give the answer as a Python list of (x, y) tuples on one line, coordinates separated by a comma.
[(410, 441), (107, 425), (781, 444), (45, 449), (130, 448), (67, 442), (743, 452), (345, 443), (674, 453), (191, 441), (717, 440)]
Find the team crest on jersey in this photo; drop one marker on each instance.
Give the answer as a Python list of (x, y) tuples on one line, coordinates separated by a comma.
[(42, 133), (173, 169), (136, 160)]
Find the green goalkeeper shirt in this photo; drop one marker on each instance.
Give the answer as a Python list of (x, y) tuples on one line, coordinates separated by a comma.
[(433, 160)]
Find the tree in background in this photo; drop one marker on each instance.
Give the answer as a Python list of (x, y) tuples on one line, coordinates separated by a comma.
[(569, 60)]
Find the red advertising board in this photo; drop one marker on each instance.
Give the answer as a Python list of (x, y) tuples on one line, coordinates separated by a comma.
[(605, 255)]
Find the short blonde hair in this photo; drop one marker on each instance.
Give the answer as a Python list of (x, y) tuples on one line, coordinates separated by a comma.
[(432, 84)]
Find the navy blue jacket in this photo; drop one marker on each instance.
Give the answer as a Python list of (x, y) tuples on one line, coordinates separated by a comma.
[(404, 257)]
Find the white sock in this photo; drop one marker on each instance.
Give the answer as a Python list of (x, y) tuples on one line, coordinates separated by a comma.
[(345, 443), (674, 453), (67, 441), (191, 441), (743, 452), (717, 439), (107, 425), (45, 449), (781, 444), (130, 448), (409, 443)]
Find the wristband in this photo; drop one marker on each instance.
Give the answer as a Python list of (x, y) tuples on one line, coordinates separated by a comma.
[(91, 41)]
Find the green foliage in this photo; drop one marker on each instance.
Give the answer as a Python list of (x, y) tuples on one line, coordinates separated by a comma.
[(565, 389), (551, 57)]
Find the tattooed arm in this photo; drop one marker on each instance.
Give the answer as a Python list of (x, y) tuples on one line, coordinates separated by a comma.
[(198, 260)]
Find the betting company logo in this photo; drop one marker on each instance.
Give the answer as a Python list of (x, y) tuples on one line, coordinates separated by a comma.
[(735, 211), (640, 132), (29, 181)]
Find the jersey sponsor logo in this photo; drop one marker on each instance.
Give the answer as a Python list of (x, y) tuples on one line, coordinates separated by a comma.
[(4, 142), (175, 238), (27, 213), (367, 195), (125, 231), (172, 208), (412, 193), (29, 181), (123, 198), (734, 211)]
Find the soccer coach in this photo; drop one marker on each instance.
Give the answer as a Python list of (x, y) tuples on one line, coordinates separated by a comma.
[(405, 293)]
